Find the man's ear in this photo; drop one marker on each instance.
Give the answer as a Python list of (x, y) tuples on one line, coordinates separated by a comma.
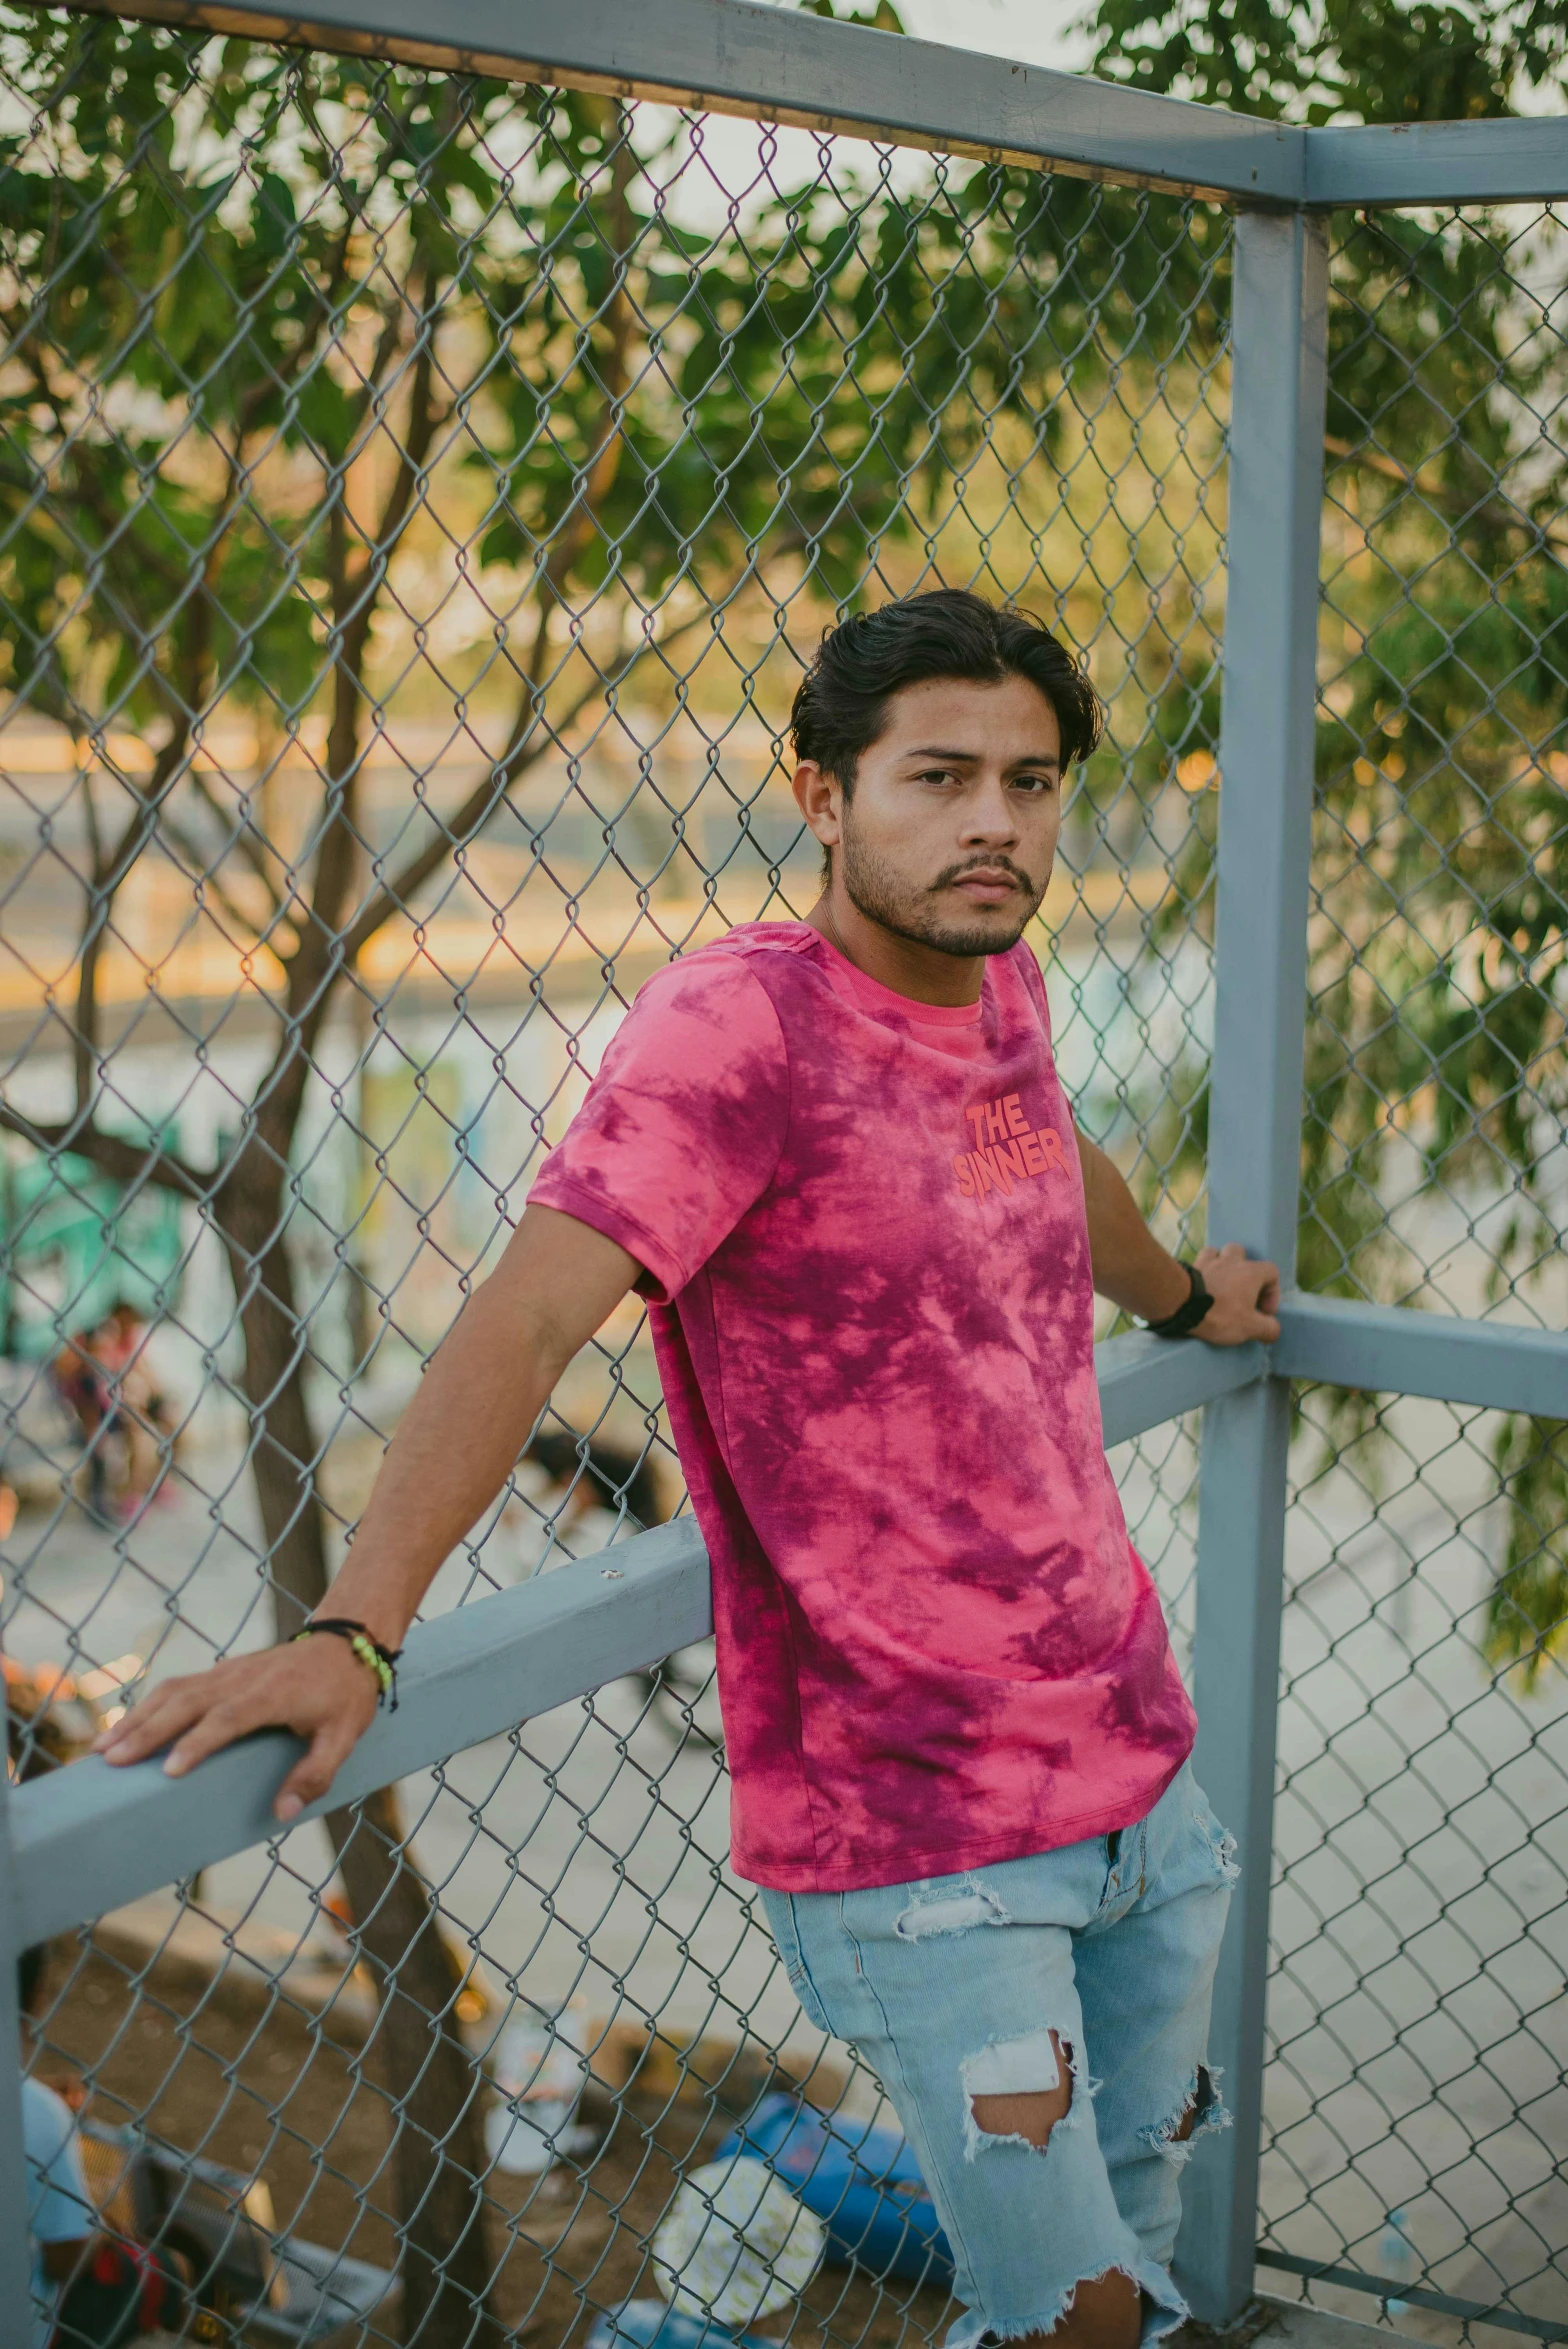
[(821, 801)]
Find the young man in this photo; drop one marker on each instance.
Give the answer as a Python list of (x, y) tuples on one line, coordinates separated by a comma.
[(836, 1158)]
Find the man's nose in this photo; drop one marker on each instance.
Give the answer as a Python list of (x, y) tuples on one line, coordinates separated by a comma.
[(990, 818)]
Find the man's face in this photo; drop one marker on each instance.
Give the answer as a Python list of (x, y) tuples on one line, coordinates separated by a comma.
[(950, 832)]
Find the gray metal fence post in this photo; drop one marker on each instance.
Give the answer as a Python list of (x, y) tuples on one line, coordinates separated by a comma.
[(1266, 754), (15, 2252)]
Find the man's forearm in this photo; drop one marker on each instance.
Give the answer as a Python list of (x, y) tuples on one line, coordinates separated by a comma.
[(460, 1437), (455, 1446), (1130, 1266), (1136, 1273)]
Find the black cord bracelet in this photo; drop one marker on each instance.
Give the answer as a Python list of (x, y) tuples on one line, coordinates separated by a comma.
[(1187, 1316), (382, 1661)]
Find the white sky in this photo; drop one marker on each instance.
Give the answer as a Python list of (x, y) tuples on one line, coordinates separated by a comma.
[(1037, 32)]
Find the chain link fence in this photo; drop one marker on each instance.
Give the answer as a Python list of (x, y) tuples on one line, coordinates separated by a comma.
[(421, 496), (418, 498), (1419, 2021)]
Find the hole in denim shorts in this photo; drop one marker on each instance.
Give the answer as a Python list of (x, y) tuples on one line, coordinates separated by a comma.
[(1203, 2112), (1019, 2091), (958, 1910)]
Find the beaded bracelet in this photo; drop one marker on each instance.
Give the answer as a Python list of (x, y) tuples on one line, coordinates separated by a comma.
[(382, 1661)]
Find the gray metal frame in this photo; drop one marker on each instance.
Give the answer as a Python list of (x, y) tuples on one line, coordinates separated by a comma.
[(528, 1650), (733, 57), (1279, 328)]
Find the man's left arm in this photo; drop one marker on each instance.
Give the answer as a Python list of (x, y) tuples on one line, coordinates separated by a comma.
[(1136, 1273)]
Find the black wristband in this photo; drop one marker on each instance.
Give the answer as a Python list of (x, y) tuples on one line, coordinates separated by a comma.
[(1186, 1317), (381, 1661)]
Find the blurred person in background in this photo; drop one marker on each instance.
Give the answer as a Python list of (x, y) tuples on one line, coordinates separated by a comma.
[(78, 1379), (61, 2222), (139, 1413)]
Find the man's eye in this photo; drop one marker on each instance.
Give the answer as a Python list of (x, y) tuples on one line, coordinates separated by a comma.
[(1035, 783)]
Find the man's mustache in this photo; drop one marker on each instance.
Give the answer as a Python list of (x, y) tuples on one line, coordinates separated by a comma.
[(987, 864)]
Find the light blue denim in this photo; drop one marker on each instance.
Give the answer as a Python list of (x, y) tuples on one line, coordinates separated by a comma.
[(951, 1988)]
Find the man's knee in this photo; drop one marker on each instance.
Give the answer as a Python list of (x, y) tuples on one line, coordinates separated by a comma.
[(1028, 2114), (1197, 2110)]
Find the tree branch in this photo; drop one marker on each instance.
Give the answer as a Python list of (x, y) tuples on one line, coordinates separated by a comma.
[(482, 802), (597, 478), (201, 875), (109, 869), (246, 837), (1453, 501), (112, 1154), (356, 594)]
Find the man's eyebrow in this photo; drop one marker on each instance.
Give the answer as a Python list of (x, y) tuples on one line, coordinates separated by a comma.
[(969, 758)]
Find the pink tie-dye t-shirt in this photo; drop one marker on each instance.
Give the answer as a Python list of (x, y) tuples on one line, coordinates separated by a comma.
[(862, 1222)]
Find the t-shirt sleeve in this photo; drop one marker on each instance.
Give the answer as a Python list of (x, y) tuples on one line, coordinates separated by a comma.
[(59, 2207), (683, 1126)]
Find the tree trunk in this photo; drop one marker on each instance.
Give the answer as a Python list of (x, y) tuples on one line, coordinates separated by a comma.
[(438, 2139)]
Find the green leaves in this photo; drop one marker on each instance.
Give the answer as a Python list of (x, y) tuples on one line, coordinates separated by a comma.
[(1430, 61), (1439, 993)]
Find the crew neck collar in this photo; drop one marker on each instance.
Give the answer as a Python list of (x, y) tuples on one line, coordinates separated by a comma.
[(876, 997)]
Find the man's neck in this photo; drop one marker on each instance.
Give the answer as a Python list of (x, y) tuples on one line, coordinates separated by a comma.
[(922, 973)]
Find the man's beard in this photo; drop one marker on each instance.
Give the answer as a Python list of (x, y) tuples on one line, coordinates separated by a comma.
[(915, 914)]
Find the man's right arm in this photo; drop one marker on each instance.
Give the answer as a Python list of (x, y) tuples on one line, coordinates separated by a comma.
[(455, 1446)]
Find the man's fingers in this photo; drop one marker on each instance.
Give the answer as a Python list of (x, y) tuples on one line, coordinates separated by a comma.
[(132, 1722), (221, 1721), (325, 1696), (152, 1723), (310, 1777)]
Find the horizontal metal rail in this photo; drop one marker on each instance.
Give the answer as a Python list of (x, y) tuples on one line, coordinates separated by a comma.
[(1145, 1381), (1536, 2328), (1392, 1350), (89, 1839), (733, 57), (1524, 161)]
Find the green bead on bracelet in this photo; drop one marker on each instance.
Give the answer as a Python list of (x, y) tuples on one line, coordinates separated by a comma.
[(377, 1659)]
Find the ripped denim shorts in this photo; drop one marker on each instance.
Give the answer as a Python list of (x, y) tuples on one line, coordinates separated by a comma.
[(965, 1987)]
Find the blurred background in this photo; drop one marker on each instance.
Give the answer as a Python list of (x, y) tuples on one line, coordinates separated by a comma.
[(418, 498)]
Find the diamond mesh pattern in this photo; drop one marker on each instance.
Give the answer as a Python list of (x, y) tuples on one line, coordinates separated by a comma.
[(1420, 1921), (1415, 2109), (1436, 1076), (418, 498)]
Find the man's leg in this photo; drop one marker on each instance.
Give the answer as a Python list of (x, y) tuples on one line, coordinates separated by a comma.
[(1105, 2312), (973, 2024), (1146, 1983)]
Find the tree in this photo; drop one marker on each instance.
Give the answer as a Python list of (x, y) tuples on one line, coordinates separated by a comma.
[(1437, 979), (272, 323)]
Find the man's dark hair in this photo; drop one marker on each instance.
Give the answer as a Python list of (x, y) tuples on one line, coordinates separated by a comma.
[(842, 702)]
